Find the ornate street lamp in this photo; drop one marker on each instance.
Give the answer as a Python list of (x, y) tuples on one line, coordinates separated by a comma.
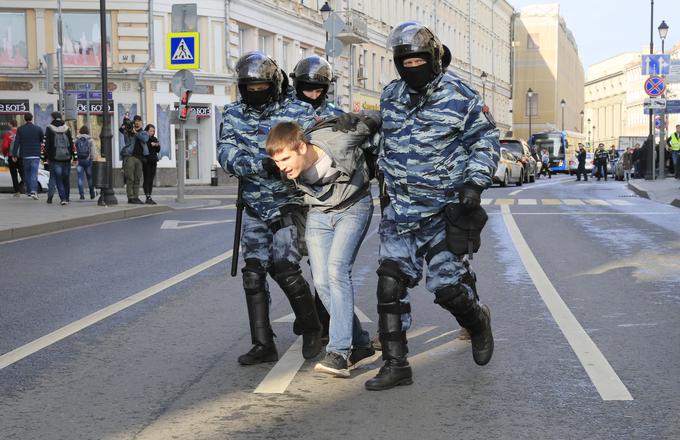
[(562, 104), (530, 94), (483, 77)]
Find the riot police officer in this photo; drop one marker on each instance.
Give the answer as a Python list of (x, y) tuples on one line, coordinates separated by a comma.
[(270, 242), (437, 157), (312, 77)]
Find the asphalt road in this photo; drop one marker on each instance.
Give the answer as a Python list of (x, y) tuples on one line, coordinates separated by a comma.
[(582, 280)]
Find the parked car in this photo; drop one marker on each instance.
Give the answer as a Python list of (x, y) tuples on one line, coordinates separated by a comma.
[(573, 163), (510, 169), (6, 178), (523, 152)]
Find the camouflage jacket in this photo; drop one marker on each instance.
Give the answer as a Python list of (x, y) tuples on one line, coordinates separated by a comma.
[(432, 148), (327, 110), (241, 148)]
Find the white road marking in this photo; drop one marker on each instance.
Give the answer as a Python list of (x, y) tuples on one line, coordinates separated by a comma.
[(644, 324), (597, 367), (16, 355), (597, 202), (186, 224), (540, 185), (283, 373), (573, 202), (442, 335), (620, 202), (486, 201), (414, 333), (505, 201), (515, 192), (526, 201), (291, 317), (218, 207), (550, 201), (591, 213)]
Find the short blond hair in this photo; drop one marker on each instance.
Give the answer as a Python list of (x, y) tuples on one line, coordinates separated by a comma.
[(285, 135)]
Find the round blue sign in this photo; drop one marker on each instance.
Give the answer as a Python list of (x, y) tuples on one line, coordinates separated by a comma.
[(655, 86)]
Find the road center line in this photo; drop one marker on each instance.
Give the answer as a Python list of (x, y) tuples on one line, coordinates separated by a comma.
[(597, 367), (17, 354)]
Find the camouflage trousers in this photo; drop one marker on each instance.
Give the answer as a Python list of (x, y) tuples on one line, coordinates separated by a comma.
[(408, 250), (259, 243)]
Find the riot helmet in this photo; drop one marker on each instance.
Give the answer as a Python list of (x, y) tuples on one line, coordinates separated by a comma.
[(257, 68), (411, 39), (312, 73)]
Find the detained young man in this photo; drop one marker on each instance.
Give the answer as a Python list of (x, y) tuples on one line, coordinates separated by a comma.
[(328, 164)]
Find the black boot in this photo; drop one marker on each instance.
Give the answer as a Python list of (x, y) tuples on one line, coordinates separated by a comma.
[(396, 369), (290, 279), (261, 334), (324, 318), (469, 313)]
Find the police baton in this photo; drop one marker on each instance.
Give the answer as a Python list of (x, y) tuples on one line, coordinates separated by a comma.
[(240, 205), (383, 197)]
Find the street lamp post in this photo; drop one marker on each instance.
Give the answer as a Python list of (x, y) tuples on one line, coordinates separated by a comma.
[(325, 13), (649, 172), (663, 31), (582, 122), (483, 77), (530, 94), (590, 145), (107, 196), (594, 135), (562, 104)]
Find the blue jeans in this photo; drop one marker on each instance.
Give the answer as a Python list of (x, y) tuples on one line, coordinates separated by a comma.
[(62, 174), (52, 184), (674, 155), (85, 168), (333, 241), (31, 167)]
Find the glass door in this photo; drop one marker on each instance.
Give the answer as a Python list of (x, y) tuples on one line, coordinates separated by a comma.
[(191, 142)]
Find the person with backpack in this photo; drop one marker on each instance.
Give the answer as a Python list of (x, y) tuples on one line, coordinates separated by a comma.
[(85, 154), (14, 163), (27, 144), (150, 162), (60, 152), (133, 153)]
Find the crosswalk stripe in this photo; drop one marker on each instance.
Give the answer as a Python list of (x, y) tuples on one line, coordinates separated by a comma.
[(620, 202), (550, 201), (597, 202), (505, 201), (526, 201), (486, 201), (573, 202)]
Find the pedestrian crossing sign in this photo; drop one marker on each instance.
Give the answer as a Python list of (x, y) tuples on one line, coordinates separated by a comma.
[(182, 50)]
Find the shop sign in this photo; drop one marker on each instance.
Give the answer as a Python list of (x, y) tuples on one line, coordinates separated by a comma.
[(199, 112), (363, 102), (13, 106), (95, 107)]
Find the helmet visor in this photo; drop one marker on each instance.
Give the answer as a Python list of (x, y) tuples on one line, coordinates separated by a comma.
[(409, 37)]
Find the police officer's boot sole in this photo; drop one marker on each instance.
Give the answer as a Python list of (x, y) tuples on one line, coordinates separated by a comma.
[(482, 342), (259, 354), (311, 344), (390, 375)]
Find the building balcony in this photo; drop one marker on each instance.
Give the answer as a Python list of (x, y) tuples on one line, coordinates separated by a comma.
[(356, 28)]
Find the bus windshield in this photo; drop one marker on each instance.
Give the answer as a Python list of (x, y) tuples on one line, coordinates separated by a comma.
[(552, 143)]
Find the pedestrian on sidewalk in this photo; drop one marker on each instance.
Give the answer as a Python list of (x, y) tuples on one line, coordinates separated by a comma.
[(27, 145), (60, 153), (13, 162), (601, 159), (636, 161), (271, 241), (85, 152), (328, 164), (627, 163), (613, 157), (545, 164), (133, 153), (674, 142), (150, 162), (581, 156)]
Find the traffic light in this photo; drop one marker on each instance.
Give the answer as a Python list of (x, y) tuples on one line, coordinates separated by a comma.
[(184, 105)]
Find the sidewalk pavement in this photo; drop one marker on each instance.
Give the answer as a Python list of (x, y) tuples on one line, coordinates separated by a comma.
[(664, 191), (22, 217)]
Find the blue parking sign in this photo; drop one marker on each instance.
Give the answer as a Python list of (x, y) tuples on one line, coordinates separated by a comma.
[(182, 50)]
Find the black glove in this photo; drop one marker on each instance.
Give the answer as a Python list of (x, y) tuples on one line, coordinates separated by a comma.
[(470, 197), (270, 168), (346, 122)]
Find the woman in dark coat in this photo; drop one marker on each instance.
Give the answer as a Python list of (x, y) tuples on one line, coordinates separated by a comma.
[(149, 165)]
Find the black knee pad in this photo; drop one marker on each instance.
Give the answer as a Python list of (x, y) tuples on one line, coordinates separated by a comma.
[(254, 276), (455, 299), (392, 282)]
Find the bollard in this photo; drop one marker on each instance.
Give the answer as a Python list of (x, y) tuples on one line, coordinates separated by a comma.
[(213, 175), (99, 174)]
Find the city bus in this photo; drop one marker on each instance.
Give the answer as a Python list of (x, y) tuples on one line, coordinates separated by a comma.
[(558, 146)]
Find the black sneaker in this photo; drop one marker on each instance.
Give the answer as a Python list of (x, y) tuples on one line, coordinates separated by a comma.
[(333, 364), (82, 197), (360, 353)]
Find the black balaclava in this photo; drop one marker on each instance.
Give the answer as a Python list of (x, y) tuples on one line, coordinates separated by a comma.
[(256, 99), (302, 86), (419, 77)]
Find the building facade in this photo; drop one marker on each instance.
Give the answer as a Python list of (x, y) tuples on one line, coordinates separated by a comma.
[(546, 60), (476, 31)]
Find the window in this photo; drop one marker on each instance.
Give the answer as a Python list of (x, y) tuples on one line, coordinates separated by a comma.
[(531, 105), (13, 52), (265, 44), (241, 41), (373, 71), (284, 56), (533, 42), (303, 52), (81, 38)]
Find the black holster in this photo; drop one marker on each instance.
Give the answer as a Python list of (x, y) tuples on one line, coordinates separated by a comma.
[(292, 215), (464, 229)]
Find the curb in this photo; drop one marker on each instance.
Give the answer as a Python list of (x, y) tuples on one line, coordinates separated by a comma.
[(639, 191), (28, 231), (676, 203)]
